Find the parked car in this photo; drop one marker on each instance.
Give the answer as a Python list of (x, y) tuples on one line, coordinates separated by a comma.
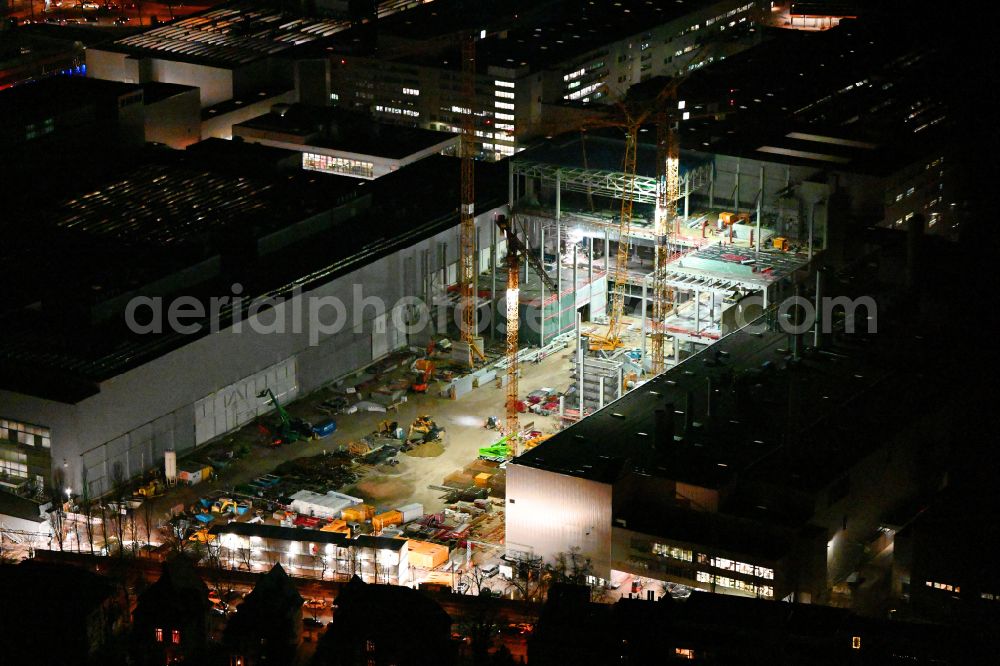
[(324, 428)]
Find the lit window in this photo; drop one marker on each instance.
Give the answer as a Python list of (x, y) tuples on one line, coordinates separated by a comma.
[(672, 552), (159, 635), (338, 165), (684, 653), (504, 84), (504, 105), (334, 96), (856, 642), (175, 637), (411, 91), (504, 116)]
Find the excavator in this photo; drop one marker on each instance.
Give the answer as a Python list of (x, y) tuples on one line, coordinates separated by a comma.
[(425, 368), (286, 430)]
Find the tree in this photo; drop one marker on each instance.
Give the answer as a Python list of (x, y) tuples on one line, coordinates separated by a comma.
[(148, 517), (87, 507), (56, 494), (476, 578), (119, 490), (481, 624), (528, 579)]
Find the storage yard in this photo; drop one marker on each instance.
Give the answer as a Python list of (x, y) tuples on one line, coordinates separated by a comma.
[(396, 462)]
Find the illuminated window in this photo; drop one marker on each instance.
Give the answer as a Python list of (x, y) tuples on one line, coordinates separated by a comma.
[(175, 637), (338, 165), (504, 116), (684, 653), (856, 642), (411, 91), (672, 552), (334, 96), (504, 105), (25, 433), (159, 635), (503, 84), (505, 94)]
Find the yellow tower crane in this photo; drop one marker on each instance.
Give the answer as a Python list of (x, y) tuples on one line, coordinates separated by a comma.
[(515, 251)]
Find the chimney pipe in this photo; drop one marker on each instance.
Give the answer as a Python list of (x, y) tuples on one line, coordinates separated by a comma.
[(663, 429)]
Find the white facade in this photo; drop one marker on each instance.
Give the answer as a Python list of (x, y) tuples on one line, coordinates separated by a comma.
[(549, 513)]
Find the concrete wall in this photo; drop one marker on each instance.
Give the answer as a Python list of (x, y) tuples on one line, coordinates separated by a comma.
[(549, 513), (215, 83), (175, 121)]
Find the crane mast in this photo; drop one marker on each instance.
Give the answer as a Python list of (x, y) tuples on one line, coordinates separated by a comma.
[(668, 191), (467, 241), (612, 341)]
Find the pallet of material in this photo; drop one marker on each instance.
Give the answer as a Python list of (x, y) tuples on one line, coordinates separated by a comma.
[(459, 479)]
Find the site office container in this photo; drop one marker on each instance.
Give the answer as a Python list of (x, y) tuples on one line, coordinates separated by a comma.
[(411, 512), (386, 519)]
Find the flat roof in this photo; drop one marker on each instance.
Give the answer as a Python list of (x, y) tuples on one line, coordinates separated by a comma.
[(155, 91), (866, 96), (56, 94), (230, 35), (112, 235), (524, 33), (336, 129), (853, 385), (277, 532)]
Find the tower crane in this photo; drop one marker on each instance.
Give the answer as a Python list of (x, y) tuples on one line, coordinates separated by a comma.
[(516, 250)]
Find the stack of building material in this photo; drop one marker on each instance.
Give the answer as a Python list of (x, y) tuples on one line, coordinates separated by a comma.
[(459, 479)]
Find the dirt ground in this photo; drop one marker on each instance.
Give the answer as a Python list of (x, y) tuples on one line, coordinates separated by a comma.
[(425, 466)]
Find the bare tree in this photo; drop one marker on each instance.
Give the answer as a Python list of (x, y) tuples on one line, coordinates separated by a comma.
[(57, 517), (528, 579), (87, 507), (148, 517), (119, 489), (245, 555), (481, 624), (476, 578)]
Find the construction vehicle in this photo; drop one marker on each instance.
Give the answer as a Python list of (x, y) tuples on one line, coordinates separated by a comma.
[(423, 429), (499, 452), (516, 250), (152, 489), (282, 432), (424, 367)]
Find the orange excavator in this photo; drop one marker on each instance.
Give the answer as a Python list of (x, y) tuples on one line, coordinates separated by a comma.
[(425, 368)]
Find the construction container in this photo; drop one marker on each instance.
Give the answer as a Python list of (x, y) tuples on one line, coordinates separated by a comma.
[(340, 526), (411, 512), (386, 519), (391, 533), (358, 514), (482, 479), (192, 473), (426, 555)]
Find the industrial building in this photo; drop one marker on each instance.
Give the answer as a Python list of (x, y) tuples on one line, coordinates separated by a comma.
[(761, 466), (341, 142), (83, 394), (239, 56), (532, 64)]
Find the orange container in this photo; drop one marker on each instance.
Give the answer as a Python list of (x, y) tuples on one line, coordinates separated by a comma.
[(337, 526), (358, 514), (482, 479), (383, 520)]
